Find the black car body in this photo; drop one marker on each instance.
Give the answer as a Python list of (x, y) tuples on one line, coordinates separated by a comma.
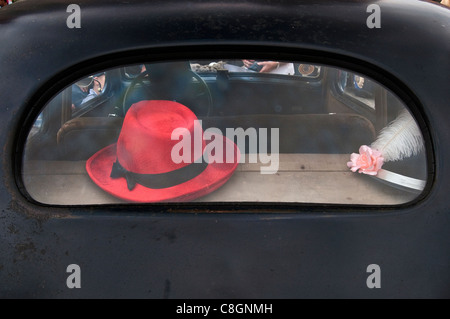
[(250, 248)]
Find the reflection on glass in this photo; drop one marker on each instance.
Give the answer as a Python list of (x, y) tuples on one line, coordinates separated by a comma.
[(87, 88), (37, 125)]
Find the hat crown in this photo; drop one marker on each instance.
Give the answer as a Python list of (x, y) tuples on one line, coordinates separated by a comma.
[(145, 142)]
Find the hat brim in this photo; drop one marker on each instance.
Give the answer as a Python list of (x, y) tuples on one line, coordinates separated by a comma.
[(99, 166)]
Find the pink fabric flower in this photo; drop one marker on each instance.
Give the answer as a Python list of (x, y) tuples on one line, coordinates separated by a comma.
[(368, 161)]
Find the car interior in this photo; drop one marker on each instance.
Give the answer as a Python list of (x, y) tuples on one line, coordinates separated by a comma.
[(322, 114)]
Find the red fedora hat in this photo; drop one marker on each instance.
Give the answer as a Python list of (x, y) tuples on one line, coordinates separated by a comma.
[(140, 168)]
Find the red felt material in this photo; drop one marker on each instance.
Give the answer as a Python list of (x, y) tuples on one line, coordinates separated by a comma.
[(144, 146)]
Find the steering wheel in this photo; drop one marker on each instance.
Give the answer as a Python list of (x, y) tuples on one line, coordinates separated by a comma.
[(197, 98)]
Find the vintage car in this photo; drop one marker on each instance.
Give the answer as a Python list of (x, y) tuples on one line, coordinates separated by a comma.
[(224, 149)]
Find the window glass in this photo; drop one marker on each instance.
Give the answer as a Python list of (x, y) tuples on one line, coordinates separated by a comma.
[(37, 126), (257, 66), (86, 92), (357, 87), (225, 131)]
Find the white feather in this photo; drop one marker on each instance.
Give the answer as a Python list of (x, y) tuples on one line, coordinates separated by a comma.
[(400, 139)]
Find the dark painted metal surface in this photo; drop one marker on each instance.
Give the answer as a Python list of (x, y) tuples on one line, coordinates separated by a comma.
[(220, 252)]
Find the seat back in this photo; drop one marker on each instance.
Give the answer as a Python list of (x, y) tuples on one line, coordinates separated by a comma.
[(305, 133), (81, 137)]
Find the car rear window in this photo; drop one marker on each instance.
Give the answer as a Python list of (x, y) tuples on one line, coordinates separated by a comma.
[(238, 131)]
